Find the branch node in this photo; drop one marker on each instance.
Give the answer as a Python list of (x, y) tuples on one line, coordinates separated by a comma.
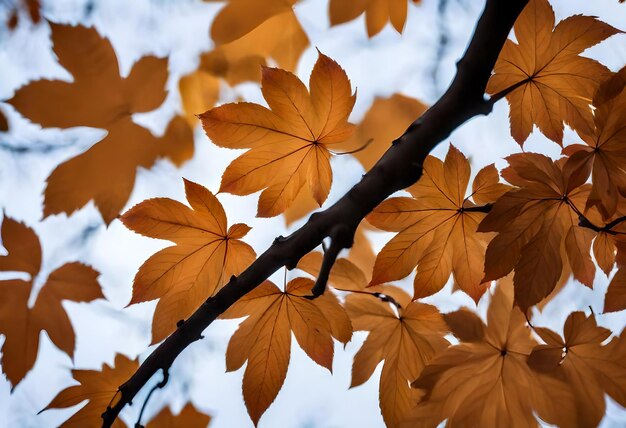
[(279, 239), (341, 236)]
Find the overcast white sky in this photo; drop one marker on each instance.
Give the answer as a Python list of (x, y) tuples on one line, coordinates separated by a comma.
[(381, 66)]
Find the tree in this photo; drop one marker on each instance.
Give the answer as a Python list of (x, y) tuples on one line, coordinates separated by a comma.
[(510, 243)]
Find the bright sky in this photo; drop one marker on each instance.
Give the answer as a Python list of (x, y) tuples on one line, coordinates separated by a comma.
[(388, 63)]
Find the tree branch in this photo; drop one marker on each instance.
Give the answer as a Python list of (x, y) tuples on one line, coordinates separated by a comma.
[(398, 168)]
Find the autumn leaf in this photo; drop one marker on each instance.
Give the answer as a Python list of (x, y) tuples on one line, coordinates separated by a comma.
[(289, 143), (99, 97), (604, 155), (615, 298), (21, 324), (485, 381), (591, 368), (280, 38), (99, 387), (533, 221), (405, 340), (239, 17), (552, 82), (386, 119), (377, 13), (205, 256), (263, 339), (199, 91), (437, 227), (344, 275), (189, 417)]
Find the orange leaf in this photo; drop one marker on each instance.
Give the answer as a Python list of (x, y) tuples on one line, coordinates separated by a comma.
[(189, 417), (578, 247), (21, 324), (437, 228), (533, 222), (554, 84), (99, 387), (615, 298), (264, 338), (590, 368), (280, 38), (386, 119), (604, 156), (289, 144), (377, 13), (405, 341), (239, 17), (100, 98), (202, 261), (487, 383), (199, 91)]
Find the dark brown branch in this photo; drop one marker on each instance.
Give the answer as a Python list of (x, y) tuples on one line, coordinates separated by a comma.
[(398, 168)]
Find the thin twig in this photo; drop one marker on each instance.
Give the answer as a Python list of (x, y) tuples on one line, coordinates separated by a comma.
[(159, 385)]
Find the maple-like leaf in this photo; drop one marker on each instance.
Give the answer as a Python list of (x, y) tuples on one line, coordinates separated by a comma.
[(280, 38), (22, 324), (604, 155), (591, 368), (199, 91), (406, 341), (205, 256), (289, 143), (437, 227), (99, 387), (533, 221), (239, 17), (188, 417), (264, 338), (99, 97), (377, 13), (485, 381), (553, 83)]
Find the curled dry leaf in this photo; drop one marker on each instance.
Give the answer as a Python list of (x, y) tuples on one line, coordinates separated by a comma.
[(553, 83), (533, 222), (377, 13), (21, 324), (406, 341), (487, 382), (100, 98), (288, 143), (189, 417), (590, 368), (437, 227), (99, 387), (205, 256), (263, 339)]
